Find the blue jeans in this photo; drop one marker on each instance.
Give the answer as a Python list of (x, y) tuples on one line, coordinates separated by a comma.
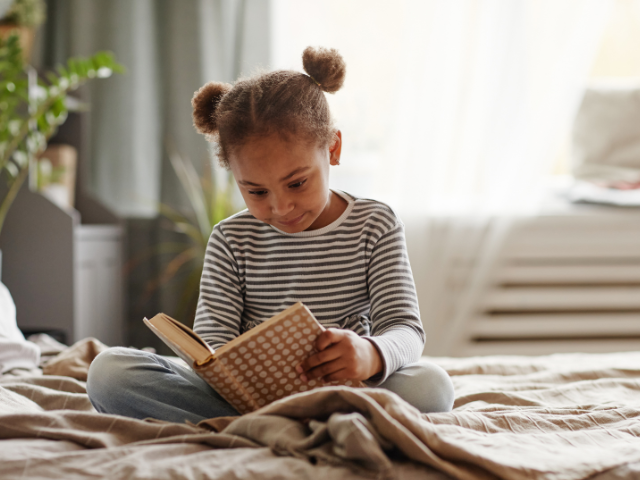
[(140, 384)]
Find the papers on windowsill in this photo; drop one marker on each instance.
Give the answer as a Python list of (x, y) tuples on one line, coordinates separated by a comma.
[(587, 192)]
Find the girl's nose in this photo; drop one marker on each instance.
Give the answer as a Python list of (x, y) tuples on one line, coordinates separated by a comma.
[(282, 205)]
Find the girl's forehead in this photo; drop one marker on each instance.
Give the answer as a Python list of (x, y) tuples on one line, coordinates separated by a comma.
[(275, 151), (275, 156), (274, 142)]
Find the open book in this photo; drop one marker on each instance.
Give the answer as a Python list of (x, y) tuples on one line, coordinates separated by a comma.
[(257, 367)]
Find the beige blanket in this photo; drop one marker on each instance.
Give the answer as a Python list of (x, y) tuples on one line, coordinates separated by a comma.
[(557, 417)]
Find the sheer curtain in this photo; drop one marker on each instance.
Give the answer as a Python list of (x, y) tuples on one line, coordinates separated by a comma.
[(471, 99), (499, 82)]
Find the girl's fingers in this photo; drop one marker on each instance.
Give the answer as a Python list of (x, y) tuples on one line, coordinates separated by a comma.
[(324, 370), (328, 337), (339, 375), (319, 359), (326, 355)]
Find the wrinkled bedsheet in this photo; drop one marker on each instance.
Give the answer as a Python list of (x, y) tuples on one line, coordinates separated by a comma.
[(560, 417)]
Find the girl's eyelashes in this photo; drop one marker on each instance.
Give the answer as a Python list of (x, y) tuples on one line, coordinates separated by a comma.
[(261, 193)]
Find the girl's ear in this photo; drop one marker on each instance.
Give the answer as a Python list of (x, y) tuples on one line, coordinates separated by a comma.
[(335, 149)]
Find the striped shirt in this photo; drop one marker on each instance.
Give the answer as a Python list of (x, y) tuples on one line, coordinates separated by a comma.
[(352, 274)]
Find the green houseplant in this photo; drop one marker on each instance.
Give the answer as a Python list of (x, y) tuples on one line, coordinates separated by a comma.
[(22, 18), (31, 109), (210, 201), (27, 13)]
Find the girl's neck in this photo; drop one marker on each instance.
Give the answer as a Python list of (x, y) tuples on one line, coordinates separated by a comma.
[(335, 207)]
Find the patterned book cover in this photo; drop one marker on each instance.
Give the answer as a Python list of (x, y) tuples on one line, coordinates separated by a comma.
[(258, 367)]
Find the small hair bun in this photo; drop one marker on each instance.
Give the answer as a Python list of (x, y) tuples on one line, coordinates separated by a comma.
[(326, 66), (205, 103)]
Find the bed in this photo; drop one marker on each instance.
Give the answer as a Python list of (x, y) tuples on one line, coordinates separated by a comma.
[(561, 417)]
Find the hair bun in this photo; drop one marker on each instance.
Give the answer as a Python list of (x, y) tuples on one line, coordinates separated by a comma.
[(205, 103), (325, 66)]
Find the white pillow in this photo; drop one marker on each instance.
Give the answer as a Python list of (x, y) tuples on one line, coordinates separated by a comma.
[(15, 351), (606, 139), (8, 326)]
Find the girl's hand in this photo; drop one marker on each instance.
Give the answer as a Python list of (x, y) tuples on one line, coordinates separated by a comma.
[(342, 354)]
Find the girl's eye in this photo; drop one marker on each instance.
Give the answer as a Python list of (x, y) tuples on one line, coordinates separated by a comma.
[(258, 193), (298, 184)]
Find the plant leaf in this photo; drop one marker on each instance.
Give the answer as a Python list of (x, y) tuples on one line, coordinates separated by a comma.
[(186, 173)]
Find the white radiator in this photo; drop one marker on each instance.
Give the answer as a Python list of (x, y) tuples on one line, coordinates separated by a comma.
[(564, 283)]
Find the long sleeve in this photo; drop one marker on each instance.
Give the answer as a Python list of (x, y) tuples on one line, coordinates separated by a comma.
[(396, 329), (220, 304)]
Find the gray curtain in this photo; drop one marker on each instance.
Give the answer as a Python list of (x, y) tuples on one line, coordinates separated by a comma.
[(169, 48)]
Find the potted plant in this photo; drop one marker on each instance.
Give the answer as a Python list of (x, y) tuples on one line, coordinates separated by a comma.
[(210, 201), (22, 18), (31, 109)]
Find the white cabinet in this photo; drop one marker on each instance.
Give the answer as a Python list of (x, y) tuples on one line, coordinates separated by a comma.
[(98, 279), (65, 276)]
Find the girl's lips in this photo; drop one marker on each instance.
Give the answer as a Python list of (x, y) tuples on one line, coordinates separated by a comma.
[(292, 222)]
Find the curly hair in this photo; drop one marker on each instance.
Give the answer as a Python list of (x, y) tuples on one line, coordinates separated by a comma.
[(284, 102)]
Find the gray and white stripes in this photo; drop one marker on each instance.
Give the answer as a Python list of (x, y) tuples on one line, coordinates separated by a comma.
[(352, 274)]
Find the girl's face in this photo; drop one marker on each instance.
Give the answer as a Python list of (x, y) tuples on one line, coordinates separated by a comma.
[(286, 183)]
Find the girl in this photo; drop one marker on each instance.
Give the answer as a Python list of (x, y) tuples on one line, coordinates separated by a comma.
[(343, 256)]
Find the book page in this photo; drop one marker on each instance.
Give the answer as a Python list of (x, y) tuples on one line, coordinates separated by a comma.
[(181, 339)]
